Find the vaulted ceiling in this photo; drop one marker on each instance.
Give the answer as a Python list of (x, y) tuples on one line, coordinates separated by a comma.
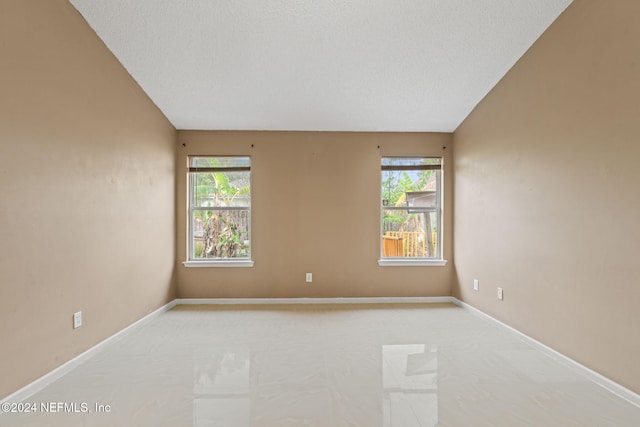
[(331, 65)]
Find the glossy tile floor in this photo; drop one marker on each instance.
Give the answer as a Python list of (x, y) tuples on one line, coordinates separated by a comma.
[(318, 365)]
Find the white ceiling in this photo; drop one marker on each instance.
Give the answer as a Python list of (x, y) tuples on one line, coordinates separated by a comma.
[(332, 65)]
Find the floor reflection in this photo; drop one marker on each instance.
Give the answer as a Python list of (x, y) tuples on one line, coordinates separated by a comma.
[(221, 387), (410, 385)]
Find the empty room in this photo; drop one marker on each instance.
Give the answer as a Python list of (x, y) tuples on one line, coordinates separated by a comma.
[(308, 213)]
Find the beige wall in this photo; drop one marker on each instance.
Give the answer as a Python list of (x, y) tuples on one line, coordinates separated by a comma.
[(546, 191), (86, 192), (316, 208)]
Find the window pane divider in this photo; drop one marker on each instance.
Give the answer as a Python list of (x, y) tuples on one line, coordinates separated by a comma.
[(411, 208), (411, 168), (195, 169), (220, 208)]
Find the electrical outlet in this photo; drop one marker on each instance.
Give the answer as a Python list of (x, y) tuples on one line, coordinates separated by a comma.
[(476, 285), (309, 278), (77, 320), (499, 293)]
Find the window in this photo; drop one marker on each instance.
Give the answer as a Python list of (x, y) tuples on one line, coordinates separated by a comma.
[(411, 210), (219, 210)]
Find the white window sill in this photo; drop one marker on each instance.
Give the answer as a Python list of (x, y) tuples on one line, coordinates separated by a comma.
[(220, 263), (399, 262)]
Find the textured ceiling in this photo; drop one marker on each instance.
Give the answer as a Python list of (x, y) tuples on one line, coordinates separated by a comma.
[(334, 65)]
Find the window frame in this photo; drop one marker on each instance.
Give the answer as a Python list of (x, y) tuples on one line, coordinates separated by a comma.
[(438, 259), (191, 261)]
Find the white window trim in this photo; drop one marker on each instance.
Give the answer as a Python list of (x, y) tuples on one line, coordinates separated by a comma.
[(212, 262), (220, 263), (421, 262)]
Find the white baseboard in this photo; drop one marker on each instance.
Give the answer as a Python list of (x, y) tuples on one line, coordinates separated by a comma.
[(580, 369), (49, 378), (345, 300)]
